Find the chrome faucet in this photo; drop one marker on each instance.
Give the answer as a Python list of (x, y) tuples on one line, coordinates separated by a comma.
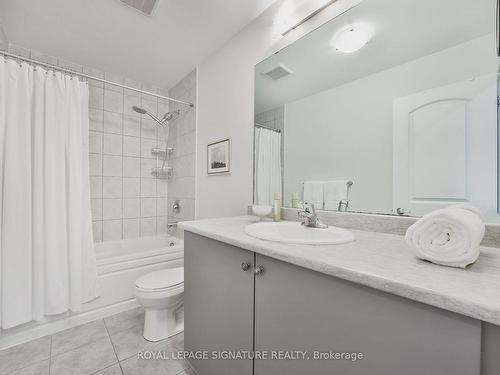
[(309, 217), (343, 205), (171, 228)]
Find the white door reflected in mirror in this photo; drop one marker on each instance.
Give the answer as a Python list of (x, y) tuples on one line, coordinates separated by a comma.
[(445, 147)]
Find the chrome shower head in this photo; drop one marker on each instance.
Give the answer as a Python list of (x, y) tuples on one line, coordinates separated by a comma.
[(169, 116), (142, 111)]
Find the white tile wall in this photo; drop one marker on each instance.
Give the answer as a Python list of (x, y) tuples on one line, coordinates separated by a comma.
[(112, 187), (132, 187), (182, 138), (131, 166), (131, 228), (113, 101), (131, 208), (112, 230), (131, 146), (147, 226), (113, 122), (120, 164), (113, 144), (95, 142), (95, 164), (131, 125)]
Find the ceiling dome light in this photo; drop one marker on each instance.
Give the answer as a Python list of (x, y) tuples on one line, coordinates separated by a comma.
[(351, 38)]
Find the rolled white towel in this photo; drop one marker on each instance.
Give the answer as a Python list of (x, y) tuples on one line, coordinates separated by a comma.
[(450, 236)]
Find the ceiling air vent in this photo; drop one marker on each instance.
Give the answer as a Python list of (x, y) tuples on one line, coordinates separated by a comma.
[(278, 72), (143, 6)]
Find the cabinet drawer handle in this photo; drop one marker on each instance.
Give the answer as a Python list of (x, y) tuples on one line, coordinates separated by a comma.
[(259, 270), (245, 266)]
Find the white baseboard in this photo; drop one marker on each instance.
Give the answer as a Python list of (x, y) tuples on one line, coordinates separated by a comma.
[(51, 327)]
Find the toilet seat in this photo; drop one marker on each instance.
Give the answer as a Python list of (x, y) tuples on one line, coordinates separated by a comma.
[(167, 279), (170, 289)]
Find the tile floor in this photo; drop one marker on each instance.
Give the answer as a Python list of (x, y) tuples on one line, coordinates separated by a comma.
[(104, 347)]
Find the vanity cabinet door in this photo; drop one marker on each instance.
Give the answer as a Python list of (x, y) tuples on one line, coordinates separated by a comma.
[(218, 303), (299, 309)]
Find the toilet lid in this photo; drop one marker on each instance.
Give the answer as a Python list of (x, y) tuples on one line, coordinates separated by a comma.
[(161, 279)]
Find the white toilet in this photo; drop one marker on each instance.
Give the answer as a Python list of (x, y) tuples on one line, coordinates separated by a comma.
[(161, 293)]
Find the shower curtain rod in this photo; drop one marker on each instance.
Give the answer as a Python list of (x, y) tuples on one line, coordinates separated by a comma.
[(257, 125), (72, 72)]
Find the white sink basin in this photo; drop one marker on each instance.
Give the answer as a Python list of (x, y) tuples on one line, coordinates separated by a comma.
[(295, 233)]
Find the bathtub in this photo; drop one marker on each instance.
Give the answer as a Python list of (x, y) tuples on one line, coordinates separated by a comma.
[(119, 264)]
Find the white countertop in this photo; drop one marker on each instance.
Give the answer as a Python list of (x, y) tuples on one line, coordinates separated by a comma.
[(381, 261)]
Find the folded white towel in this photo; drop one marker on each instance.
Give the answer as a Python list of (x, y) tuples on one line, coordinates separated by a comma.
[(313, 193), (450, 236), (333, 192)]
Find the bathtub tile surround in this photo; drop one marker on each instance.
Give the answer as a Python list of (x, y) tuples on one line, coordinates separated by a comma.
[(107, 346), (129, 191), (182, 139), (127, 200)]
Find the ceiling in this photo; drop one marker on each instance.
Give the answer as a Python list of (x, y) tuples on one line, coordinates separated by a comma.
[(404, 30), (107, 35)]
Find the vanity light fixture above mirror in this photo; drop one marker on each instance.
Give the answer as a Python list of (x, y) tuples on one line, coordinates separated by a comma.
[(352, 38), (293, 13)]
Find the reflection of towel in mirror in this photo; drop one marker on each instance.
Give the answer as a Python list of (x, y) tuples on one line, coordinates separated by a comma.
[(313, 193), (333, 192), (450, 236)]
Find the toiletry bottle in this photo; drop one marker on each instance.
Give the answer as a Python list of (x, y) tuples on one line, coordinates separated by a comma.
[(277, 207), (295, 200)]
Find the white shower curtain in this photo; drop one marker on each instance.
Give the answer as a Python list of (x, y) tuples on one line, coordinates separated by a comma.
[(267, 165), (47, 259)]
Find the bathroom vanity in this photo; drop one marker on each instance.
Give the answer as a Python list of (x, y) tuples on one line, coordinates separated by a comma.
[(371, 296)]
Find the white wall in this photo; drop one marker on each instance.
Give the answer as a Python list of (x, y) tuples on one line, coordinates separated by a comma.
[(226, 109), (4, 43), (349, 128)]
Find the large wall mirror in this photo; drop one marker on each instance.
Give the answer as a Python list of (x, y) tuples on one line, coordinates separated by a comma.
[(389, 108)]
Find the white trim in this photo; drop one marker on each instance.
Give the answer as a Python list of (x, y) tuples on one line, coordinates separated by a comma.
[(49, 328), (117, 271)]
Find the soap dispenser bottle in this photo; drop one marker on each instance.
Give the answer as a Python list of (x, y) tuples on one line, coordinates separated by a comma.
[(295, 200), (277, 207)]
